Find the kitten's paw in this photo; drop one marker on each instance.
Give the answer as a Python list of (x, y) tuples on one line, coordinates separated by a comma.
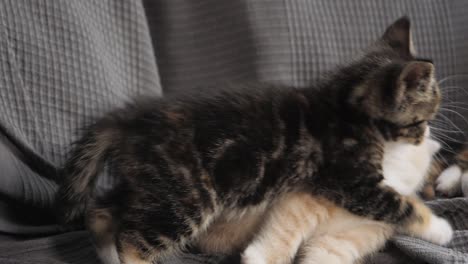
[(253, 256), (439, 232), (449, 181)]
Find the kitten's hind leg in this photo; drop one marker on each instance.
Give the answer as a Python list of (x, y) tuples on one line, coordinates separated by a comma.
[(131, 253), (102, 227), (347, 239), (113, 247), (287, 224)]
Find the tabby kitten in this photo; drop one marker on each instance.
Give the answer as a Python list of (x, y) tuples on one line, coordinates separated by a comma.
[(338, 236), (185, 163), (454, 179)]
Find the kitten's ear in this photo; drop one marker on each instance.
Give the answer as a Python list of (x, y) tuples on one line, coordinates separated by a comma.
[(398, 36), (416, 76)]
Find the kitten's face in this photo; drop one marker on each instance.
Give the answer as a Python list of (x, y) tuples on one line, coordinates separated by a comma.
[(398, 88)]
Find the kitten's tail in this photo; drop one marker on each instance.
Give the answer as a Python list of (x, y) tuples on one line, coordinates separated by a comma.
[(80, 173)]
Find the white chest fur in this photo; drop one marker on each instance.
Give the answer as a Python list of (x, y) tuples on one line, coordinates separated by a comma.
[(405, 165)]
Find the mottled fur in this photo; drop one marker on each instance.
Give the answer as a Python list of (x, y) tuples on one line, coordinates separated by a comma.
[(187, 162)]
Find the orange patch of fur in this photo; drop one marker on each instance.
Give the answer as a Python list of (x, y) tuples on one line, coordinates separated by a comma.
[(423, 215), (227, 237), (130, 254)]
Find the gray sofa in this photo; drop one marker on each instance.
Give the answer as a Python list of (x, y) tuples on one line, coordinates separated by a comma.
[(65, 63)]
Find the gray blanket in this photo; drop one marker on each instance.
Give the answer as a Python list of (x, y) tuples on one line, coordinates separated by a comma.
[(64, 63)]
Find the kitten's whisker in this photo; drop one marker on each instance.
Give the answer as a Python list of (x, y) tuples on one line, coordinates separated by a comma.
[(439, 124), (439, 157), (450, 121), (445, 130), (460, 102), (453, 88), (456, 113), (454, 106), (450, 88), (451, 151), (443, 136), (452, 76), (441, 131), (444, 145)]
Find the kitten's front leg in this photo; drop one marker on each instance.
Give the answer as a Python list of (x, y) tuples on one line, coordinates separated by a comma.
[(356, 183), (292, 219), (423, 223), (409, 214)]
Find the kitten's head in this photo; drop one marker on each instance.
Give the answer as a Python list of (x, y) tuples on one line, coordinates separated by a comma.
[(395, 87)]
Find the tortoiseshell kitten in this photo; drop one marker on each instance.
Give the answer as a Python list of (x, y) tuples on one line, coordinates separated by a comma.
[(186, 162)]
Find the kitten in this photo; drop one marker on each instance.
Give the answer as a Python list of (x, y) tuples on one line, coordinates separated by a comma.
[(405, 167), (454, 179), (186, 163)]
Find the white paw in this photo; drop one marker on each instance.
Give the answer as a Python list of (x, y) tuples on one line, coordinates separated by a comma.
[(439, 232), (253, 256), (449, 181)]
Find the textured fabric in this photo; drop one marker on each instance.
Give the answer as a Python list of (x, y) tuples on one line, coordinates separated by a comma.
[(64, 63), (72, 247), (457, 249)]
